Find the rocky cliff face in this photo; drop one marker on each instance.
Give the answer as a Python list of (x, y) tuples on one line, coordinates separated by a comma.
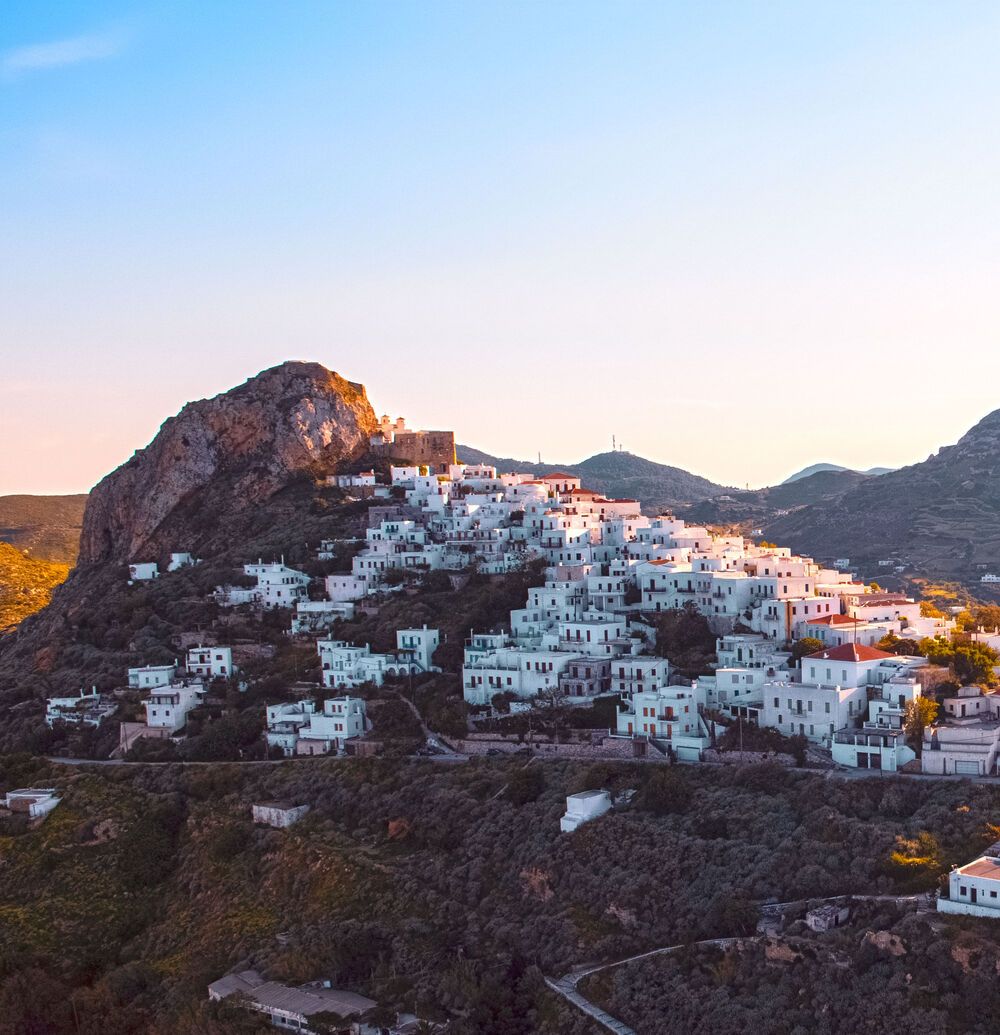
[(233, 451)]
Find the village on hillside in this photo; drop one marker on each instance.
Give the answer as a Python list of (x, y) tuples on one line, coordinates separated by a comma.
[(844, 674)]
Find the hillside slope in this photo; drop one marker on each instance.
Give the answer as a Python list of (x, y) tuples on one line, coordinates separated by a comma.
[(46, 527), (941, 516), (26, 584), (618, 474), (759, 506)]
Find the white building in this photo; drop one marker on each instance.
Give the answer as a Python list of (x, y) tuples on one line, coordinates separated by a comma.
[(181, 560), (583, 807), (33, 802), (277, 584), (974, 889), (167, 707), (345, 665), (287, 1007), (342, 719), (419, 645), (87, 708), (143, 571), (150, 676), (302, 728), (670, 715), (965, 740), (314, 616), (278, 814), (210, 662)]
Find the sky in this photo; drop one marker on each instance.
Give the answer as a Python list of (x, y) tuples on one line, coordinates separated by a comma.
[(739, 237)]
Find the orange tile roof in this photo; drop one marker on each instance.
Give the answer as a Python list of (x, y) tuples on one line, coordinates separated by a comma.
[(982, 867)]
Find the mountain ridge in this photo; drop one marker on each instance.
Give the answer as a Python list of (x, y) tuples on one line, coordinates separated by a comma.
[(821, 468), (618, 474)]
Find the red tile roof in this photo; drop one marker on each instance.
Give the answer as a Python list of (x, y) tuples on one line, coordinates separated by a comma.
[(853, 652), (835, 620)]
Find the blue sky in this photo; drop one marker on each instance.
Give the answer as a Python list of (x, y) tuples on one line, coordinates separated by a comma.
[(742, 237)]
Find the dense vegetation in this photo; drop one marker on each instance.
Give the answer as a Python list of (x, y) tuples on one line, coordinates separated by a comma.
[(889, 970), (445, 888)]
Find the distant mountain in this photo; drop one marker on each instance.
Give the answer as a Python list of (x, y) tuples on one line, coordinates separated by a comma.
[(618, 474), (47, 528), (760, 506), (806, 472), (941, 517)]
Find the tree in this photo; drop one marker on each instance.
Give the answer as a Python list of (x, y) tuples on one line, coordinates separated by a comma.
[(928, 610), (894, 645), (684, 636), (807, 645), (917, 716), (987, 616), (525, 784), (664, 792), (974, 662)]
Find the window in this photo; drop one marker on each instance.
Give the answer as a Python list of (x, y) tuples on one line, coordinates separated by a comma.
[(963, 890)]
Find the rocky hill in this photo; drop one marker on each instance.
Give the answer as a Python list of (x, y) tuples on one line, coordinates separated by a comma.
[(229, 478), (940, 517), (619, 474), (230, 452), (45, 527)]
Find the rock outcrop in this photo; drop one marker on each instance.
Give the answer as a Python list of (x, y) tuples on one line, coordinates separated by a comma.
[(232, 451)]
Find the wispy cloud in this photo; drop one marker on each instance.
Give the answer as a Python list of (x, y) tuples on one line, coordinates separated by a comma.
[(96, 46)]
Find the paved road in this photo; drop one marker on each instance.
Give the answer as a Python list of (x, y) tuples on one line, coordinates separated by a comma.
[(567, 989), (566, 985)]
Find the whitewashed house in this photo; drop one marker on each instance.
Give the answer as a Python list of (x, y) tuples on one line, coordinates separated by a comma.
[(671, 715), (973, 889), (149, 676), (181, 560), (87, 708), (210, 662), (277, 584), (341, 719), (143, 571), (167, 707)]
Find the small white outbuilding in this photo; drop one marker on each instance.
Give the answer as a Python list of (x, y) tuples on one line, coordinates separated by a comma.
[(583, 807)]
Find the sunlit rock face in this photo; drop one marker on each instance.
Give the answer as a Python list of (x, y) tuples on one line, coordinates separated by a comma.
[(232, 451)]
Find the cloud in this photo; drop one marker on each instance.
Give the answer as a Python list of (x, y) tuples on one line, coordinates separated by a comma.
[(62, 53)]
